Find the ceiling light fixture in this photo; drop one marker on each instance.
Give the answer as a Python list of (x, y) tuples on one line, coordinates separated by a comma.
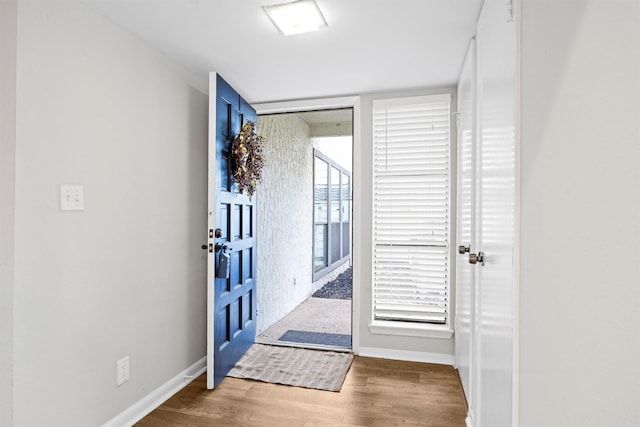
[(301, 16)]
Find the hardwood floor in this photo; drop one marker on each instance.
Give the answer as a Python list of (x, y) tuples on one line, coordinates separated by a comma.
[(377, 392)]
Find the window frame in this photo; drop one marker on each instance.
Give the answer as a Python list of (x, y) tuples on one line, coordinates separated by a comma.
[(409, 328), (321, 272)]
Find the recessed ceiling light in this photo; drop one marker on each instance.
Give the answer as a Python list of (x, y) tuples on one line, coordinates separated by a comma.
[(301, 16)]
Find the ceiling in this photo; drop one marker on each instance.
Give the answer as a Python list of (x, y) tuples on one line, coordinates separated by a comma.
[(368, 46), (338, 116)]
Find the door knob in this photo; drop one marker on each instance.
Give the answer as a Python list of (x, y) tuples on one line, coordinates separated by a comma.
[(204, 247), (463, 249), (474, 259)]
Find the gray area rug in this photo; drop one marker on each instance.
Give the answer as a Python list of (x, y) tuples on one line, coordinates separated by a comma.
[(322, 370), (321, 338)]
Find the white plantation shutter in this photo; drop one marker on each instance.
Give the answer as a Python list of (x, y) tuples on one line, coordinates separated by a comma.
[(411, 209)]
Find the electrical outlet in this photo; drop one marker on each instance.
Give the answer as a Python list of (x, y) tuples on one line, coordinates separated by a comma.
[(71, 197), (122, 370)]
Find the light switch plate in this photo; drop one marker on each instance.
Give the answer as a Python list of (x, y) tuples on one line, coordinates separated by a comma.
[(71, 197)]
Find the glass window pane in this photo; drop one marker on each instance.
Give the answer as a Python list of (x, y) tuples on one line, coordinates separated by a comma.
[(332, 213), (319, 246), (335, 215), (320, 191), (320, 214), (335, 241), (346, 198), (335, 195), (346, 214)]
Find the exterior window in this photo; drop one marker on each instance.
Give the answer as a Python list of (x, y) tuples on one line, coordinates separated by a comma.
[(320, 214), (331, 215), (411, 214)]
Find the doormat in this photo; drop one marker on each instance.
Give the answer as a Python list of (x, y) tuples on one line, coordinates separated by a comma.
[(321, 370), (321, 338)]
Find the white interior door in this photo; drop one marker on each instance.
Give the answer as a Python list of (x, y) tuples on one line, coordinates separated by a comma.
[(485, 274), (465, 272), (496, 215)]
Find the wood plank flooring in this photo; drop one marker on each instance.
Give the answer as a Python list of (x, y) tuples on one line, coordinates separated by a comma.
[(376, 392)]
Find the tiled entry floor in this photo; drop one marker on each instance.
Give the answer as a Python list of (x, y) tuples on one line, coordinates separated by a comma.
[(323, 315)]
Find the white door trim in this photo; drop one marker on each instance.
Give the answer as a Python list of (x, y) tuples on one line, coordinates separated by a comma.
[(211, 223), (500, 44), (325, 104), (467, 368), (515, 402)]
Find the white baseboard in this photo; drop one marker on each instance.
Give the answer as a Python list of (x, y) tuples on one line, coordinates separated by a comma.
[(157, 397), (410, 356), (468, 422)]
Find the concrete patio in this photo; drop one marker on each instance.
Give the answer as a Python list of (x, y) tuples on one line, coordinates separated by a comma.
[(321, 315)]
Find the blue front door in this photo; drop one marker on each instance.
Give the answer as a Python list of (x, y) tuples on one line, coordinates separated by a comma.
[(234, 238)]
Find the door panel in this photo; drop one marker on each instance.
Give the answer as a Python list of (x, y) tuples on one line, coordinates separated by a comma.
[(231, 299), (465, 294), (496, 177), (487, 150)]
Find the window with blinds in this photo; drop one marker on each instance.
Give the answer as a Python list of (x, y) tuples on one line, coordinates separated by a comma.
[(411, 139)]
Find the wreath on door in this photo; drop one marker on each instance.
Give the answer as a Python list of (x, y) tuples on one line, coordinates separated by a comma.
[(247, 158)]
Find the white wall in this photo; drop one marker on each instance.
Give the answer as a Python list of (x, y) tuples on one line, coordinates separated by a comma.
[(285, 218), (428, 349), (126, 276), (580, 236), (8, 17)]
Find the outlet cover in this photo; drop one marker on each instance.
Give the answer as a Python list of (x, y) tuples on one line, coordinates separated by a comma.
[(71, 197), (122, 370)]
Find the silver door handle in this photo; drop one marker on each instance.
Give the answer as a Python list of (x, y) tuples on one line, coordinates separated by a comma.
[(463, 249), (220, 247), (474, 259)]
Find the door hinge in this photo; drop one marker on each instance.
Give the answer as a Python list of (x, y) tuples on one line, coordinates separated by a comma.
[(509, 4)]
